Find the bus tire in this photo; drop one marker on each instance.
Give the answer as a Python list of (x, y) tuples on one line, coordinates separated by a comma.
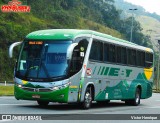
[(136, 100), (87, 98), (42, 103)]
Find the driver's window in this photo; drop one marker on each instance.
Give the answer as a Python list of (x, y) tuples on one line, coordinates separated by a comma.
[(78, 56)]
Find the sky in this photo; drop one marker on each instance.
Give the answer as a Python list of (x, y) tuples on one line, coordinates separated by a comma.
[(148, 5)]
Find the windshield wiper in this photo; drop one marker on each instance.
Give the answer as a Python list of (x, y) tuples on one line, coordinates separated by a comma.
[(58, 77), (42, 62)]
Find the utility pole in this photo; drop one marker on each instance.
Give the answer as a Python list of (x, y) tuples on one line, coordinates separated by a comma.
[(132, 24), (157, 84)]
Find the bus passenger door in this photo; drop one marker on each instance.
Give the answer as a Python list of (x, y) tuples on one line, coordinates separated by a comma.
[(75, 70)]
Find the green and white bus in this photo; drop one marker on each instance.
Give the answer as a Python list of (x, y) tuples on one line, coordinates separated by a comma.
[(81, 66)]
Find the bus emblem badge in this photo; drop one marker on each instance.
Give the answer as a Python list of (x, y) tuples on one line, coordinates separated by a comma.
[(36, 89)]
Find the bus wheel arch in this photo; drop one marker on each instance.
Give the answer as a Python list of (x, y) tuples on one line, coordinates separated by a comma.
[(88, 96), (140, 88), (93, 90), (137, 97), (136, 100)]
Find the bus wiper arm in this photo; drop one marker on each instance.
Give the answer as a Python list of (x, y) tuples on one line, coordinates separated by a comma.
[(46, 71), (42, 62)]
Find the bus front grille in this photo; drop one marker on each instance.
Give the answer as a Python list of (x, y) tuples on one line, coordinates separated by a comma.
[(28, 89), (37, 89)]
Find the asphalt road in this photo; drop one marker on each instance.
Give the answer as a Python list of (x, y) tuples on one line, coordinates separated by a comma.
[(9, 105)]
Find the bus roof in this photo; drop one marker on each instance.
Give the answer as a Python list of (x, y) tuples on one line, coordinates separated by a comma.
[(70, 34), (59, 34)]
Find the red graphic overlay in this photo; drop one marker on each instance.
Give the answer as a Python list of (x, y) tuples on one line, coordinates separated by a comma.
[(15, 6), (89, 71)]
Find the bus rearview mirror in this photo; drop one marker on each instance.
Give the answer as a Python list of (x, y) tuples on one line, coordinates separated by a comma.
[(12, 47), (70, 50)]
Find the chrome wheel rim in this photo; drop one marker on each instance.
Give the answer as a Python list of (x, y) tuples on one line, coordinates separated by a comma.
[(88, 99), (137, 97)]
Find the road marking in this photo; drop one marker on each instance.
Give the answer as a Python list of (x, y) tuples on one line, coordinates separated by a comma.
[(6, 96), (16, 104), (154, 107), (5, 120)]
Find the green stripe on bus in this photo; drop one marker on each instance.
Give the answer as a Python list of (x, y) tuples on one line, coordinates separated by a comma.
[(106, 71), (80, 89), (94, 69), (99, 70), (102, 70)]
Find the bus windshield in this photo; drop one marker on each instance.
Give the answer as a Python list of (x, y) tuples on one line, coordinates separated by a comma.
[(41, 60)]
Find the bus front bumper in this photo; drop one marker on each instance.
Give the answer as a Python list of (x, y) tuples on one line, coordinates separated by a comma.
[(53, 96)]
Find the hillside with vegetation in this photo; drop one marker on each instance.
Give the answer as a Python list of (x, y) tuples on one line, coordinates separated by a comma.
[(151, 27), (150, 22), (99, 15)]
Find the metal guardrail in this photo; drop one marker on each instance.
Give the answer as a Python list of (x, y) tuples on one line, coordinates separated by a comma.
[(6, 83), (10, 83)]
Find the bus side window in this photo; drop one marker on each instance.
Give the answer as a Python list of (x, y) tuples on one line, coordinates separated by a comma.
[(96, 51), (123, 55), (112, 53), (119, 54), (140, 58), (78, 56), (148, 60), (106, 52), (133, 61), (129, 57)]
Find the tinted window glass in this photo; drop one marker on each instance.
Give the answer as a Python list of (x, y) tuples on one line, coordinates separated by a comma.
[(123, 55), (149, 60), (106, 52), (133, 57), (78, 56), (97, 51), (129, 56), (119, 54), (140, 58), (112, 53)]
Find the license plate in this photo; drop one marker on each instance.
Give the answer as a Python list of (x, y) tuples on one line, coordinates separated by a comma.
[(36, 96)]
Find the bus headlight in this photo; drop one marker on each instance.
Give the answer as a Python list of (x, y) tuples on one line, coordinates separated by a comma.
[(55, 88), (61, 87), (18, 85), (66, 85)]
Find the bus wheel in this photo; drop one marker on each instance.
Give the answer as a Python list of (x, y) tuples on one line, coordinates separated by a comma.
[(136, 100), (42, 103), (87, 98)]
